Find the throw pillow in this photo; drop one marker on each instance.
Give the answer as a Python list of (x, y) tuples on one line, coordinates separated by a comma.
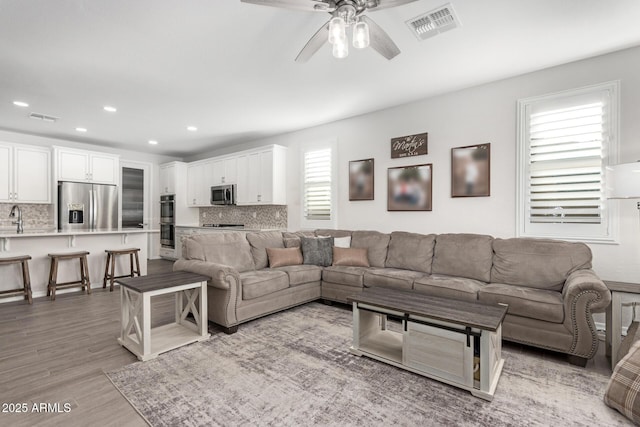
[(623, 390), (355, 257), (317, 250), (279, 257), (342, 242)]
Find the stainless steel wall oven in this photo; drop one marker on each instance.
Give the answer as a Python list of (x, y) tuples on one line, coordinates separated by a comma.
[(167, 222)]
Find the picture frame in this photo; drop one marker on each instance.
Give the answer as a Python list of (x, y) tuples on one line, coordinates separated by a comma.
[(361, 179), (409, 146), (471, 171), (409, 188)]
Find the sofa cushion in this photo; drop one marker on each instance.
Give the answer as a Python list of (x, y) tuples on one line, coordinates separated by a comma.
[(301, 274), (449, 287), (463, 255), (342, 275), (230, 249), (356, 257), (260, 242), (391, 278), (538, 304), (279, 257), (410, 251), (376, 244), (537, 263), (622, 393), (328, 232), (317, 250), (292, 239), (263, 282)]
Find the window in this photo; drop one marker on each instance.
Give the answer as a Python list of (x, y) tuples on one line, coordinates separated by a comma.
[(318, 187), (565, 140)]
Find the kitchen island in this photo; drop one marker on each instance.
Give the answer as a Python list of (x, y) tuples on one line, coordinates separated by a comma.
[(40, 242)]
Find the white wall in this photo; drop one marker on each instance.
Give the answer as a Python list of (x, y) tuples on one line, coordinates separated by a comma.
[(125, 155), (475, 115)]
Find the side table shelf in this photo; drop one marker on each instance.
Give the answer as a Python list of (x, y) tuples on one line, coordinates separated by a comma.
[(619, 291)]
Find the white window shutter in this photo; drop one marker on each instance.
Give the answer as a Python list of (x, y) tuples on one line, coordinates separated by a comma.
[(317, 185)]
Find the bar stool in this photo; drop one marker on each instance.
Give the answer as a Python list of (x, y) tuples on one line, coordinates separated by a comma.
[(26, 279), (53, 273), (111, 260)]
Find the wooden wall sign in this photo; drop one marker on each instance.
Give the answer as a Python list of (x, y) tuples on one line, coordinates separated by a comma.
[(409, 146)]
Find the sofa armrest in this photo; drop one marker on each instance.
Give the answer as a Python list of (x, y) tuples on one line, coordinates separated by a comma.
[(219, 273), (583, 294)]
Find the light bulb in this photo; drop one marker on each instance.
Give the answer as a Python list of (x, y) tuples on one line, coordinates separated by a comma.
[(361, 35), (337, 30), (340, 49)]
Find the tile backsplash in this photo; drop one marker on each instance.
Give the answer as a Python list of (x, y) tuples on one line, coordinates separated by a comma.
[(259, 217), (33, 215)]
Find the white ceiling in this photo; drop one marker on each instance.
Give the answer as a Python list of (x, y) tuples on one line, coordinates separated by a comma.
[(228, 67)]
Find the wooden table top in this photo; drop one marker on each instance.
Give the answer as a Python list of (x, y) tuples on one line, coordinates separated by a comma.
[(632, 288), (154, 282), (475, 314)]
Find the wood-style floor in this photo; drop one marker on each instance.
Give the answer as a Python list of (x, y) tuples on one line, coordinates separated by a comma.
[(56, 352)]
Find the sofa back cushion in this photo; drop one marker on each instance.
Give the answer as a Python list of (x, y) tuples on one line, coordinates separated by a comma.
[(537, 263), (230, 249), (376, 244), (260, 242), (463, 255), (410, 251), (292, 239)]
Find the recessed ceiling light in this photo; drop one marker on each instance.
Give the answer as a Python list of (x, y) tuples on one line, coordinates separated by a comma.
[(153, 142), (192, 128), (20, 104), (110, 109), (81, 129)]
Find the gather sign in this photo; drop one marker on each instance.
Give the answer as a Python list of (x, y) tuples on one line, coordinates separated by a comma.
[(409, 146)]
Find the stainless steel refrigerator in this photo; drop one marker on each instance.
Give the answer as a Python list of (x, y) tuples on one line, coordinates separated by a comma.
[(87, 206)]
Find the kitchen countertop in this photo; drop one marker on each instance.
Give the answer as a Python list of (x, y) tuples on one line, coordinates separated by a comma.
[(6, 233)]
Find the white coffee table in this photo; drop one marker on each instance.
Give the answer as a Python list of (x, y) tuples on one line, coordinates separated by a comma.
[(136, 333)]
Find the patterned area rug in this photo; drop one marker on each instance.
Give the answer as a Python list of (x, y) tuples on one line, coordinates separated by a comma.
[(294, 368)]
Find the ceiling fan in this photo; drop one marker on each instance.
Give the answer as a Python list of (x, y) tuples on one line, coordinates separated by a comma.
[(345, 13)]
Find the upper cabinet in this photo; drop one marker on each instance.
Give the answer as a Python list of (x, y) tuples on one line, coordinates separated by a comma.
[(199, 183), (86, 166), (25, 174), (224, 171), (262, 177), (168, 178)]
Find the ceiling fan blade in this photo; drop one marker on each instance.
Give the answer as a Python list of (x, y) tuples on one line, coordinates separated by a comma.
[(315, 43), (385, 4), (380, 40), (304, 5)]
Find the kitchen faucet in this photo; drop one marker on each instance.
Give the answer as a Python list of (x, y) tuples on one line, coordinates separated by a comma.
[(18, 222)]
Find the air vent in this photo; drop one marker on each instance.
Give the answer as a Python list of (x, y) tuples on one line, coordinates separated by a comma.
[(43, 117), (434, 22)]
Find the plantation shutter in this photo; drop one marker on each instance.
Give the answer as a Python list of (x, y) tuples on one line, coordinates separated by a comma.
[(317, 184), (566, 151)]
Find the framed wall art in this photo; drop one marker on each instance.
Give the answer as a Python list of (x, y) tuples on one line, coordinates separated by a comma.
[(361, 180), (471, 171), (409, 146), (409, 188)]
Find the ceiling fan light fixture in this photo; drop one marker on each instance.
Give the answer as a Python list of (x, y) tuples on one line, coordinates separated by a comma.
[(340, 49), (361, 35), (337, 30)]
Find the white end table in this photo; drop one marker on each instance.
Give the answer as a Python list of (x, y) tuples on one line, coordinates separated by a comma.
[(136, 333), (619, 291)]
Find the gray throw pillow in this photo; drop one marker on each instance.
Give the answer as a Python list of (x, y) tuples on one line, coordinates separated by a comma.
[(317, 250)]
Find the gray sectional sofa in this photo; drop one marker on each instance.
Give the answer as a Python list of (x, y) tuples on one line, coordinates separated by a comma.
[(548, 284)]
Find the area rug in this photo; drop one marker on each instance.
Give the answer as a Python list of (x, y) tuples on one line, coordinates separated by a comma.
[(294, 368)]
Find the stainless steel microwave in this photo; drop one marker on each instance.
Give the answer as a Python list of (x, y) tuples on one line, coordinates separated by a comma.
[(223, 194)]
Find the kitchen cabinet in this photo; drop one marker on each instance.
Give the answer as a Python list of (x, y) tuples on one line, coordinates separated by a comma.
[(25, 174), (224, 171), (168, 178), (86, 166), (199, 183), (262, 177)]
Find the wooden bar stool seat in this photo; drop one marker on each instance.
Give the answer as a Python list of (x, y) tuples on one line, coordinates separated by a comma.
[(110, 267), (26, 279), (53, 272)]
